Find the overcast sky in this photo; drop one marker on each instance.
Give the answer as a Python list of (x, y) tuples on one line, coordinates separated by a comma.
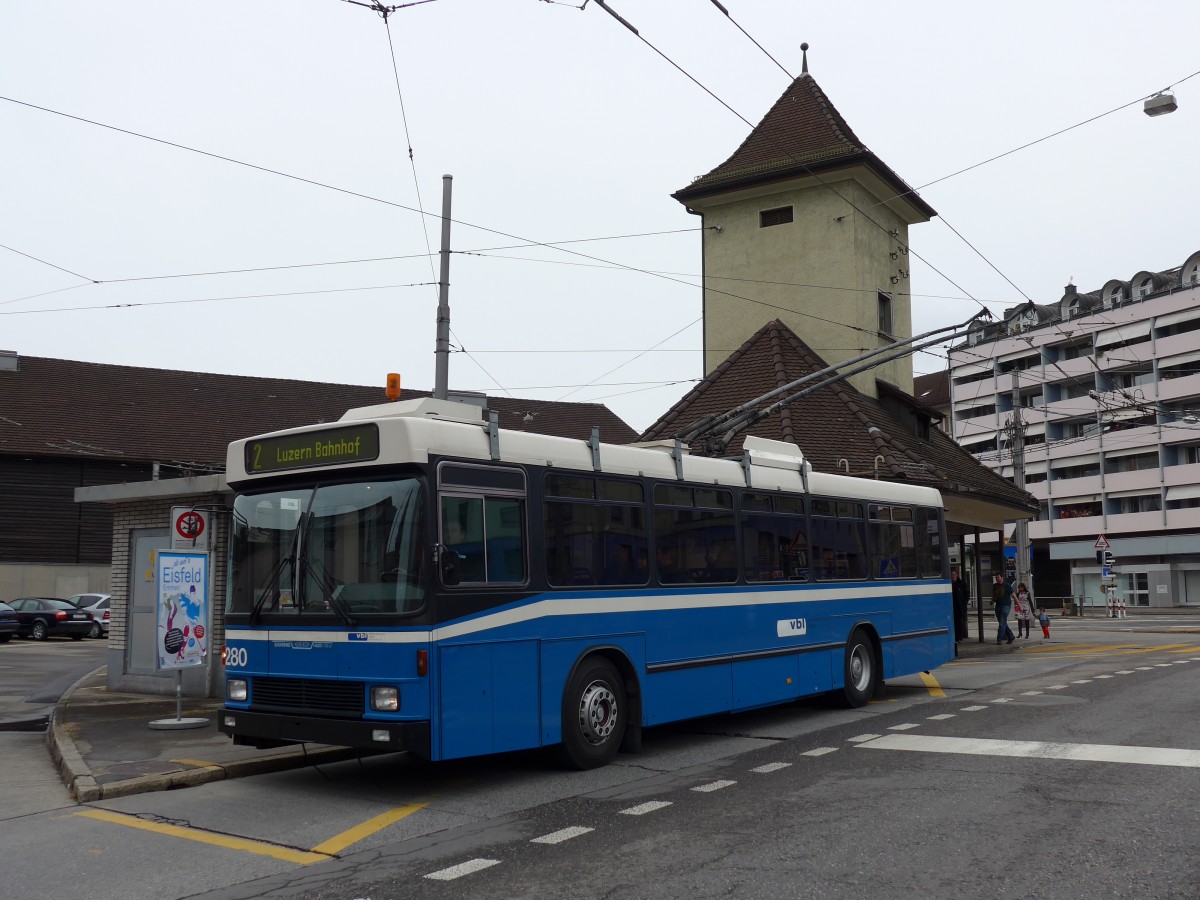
[(558, 125)]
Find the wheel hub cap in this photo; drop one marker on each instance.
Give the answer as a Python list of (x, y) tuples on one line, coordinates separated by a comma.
[(597, 712)]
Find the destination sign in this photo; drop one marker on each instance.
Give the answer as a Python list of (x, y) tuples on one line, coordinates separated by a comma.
[(330, 447)]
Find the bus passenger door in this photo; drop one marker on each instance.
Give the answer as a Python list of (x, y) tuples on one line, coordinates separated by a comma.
[(488, 697)]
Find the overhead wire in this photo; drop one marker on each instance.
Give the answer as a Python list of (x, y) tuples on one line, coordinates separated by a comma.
[(131, 304), (802, 166), (385, 13), (45, 262)]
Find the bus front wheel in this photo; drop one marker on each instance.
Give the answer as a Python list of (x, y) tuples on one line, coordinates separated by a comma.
[(862, 672), (594, 715)]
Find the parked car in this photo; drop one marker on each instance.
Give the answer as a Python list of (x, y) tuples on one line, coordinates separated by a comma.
[(98, 606), (8, 622), (40, 617)]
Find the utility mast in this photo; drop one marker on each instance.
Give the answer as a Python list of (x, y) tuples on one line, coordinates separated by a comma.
[(1017, 444), (441, 374)]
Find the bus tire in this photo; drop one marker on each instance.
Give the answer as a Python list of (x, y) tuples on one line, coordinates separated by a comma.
[(594, 715), (861, 675)]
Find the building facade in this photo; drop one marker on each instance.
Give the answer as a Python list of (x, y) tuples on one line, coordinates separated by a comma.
[(1106, 385)]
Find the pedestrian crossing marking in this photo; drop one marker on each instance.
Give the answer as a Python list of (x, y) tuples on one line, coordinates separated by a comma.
[(1145, 756)]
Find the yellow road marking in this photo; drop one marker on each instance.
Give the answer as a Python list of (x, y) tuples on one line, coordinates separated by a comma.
[(198, 763), (935, 689), (340, 842), (207, 837)]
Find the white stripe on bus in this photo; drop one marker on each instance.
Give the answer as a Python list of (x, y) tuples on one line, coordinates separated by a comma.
[(576, 605)]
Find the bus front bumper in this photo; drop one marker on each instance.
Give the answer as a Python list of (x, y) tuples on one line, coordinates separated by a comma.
[(262, 729)]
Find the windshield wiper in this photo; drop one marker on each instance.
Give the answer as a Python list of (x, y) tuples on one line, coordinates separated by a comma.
[(328, 588), (272, 582), (323, 578)]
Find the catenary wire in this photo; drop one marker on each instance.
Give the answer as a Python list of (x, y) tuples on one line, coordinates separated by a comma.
[(377, 287)]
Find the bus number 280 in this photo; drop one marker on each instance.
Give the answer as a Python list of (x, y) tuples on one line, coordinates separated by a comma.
[(235, 657)]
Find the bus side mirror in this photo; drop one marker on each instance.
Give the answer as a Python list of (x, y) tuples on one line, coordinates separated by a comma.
[(449, 566)]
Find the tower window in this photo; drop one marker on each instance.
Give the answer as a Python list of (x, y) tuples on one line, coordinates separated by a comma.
[(885, 312), (769, 217)]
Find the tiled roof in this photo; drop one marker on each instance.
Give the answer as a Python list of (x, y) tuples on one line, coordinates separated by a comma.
[(933, 389), (61, 408), (835, 422), (803, 131)]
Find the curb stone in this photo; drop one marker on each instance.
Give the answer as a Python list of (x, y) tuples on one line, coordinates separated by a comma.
[(77, 776)]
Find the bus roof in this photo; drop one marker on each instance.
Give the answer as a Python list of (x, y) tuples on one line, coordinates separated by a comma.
[(416, 430)]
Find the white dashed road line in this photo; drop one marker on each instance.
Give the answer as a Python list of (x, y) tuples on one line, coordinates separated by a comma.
[(941, 716), (819, 751), (648, 807), (713, 786), (858, 739), (467, 868), (972, 708), (565, 834), (775, 767)]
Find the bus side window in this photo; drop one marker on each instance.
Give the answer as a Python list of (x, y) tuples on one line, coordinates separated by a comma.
[(462, 532)]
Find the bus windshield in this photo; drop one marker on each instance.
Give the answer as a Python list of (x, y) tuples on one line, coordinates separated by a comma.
[(350, 549)]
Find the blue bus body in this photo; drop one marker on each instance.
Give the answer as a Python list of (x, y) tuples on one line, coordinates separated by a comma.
[(479, 668)]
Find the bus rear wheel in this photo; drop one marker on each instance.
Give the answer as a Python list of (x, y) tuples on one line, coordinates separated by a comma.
[(862, 671), (594, 715)]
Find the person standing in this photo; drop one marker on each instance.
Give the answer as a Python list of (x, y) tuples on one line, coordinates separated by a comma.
[(960, 596), (1002, 598), (1023, 608)]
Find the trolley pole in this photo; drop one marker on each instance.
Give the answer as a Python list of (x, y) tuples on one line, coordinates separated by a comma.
[(441, 377)]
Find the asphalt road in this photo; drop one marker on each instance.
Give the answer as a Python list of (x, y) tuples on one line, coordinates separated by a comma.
[(1062, 770), (34, 674)]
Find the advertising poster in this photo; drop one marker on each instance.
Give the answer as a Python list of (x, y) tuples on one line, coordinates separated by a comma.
[(182, 591)]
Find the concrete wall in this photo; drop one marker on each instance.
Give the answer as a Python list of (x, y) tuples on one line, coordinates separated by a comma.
[(51, 580), (819, 274)]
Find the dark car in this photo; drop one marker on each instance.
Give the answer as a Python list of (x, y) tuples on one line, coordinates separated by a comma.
[(98, 605), (8, 622), (40, 617)]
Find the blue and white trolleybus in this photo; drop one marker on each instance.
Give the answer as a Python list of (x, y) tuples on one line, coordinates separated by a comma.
[(415, 578)]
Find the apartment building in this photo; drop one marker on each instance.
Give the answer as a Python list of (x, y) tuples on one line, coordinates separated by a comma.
[(1107, 387)]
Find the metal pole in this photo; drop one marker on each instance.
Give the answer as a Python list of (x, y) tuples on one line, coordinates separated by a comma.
[(179, 695), (441, 378), (1018, 452), (978, 585)]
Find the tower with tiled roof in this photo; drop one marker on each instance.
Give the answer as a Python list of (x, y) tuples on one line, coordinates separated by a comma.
[(803, 223)]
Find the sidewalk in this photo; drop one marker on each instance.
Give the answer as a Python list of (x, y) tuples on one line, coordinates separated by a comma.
[(103, 746)]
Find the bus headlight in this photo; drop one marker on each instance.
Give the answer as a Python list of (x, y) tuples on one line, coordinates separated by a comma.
[(385, 699), (235, 689)]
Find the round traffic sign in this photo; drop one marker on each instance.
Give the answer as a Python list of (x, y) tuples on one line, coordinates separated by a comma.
[(190, 525)]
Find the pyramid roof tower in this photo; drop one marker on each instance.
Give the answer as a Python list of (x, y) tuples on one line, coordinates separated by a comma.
[(804, 223), (836, 427), (802, 134)]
